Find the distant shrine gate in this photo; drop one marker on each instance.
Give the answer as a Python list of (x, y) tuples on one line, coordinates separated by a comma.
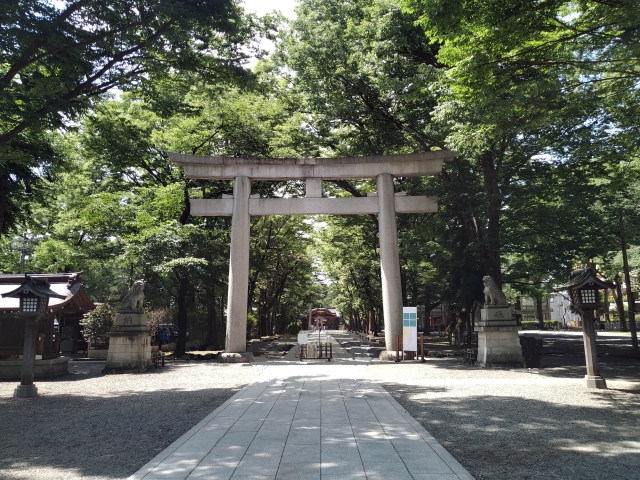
[(241, 205)]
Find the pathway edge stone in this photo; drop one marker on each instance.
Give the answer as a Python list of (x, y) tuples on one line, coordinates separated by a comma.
[(442, 452), (155, 461)]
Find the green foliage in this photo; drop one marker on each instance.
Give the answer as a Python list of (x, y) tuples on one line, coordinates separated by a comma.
[(539, 101), (252, 325), (55, 63), (532, 325), (98, 321), (280, 278), (160, 316), (293, 329), (365, 73)]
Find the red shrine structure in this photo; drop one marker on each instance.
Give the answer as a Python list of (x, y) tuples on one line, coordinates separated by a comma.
[(58, 332)]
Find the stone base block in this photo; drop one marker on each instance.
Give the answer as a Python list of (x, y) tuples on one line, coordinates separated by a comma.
[(126, 319), (495, 326), (25, 391), (243, 357), (489, 314), (51, 367), (387, 356), (97, 354), (128, 353), (499, 348), (594, 382)]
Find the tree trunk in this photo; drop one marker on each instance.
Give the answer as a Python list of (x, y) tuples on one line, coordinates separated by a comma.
[(186, 211), (4, 199), (467, 321), (211, 320), (262, 320), (627, 279), (183, 290), (494, 204), (617, 295), (403, 287), (539, 315), (474, 310), (606, 306), (427, 311), (223, 319), (272, 322), (376, 324)]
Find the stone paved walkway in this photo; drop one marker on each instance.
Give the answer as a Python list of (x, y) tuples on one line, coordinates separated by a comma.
[(307, 422)]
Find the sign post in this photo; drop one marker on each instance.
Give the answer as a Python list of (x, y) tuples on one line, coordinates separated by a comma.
[(410, 329)]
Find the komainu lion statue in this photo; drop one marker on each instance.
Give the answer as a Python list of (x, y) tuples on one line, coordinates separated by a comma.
[(492, 293), (134, 298)]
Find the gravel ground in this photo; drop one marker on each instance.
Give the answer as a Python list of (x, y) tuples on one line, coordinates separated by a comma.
[(508, 424), (86, 425), (500, 424)]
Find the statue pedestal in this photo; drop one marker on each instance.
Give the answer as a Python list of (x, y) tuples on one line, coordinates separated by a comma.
[(498, 339), (129, 344)]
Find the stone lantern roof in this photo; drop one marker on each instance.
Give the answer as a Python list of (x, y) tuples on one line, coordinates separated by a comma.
[(68, 291), (584, 277), (32, 287)]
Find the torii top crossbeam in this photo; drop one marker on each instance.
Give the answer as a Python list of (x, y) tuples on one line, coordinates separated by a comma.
[(227, 168)]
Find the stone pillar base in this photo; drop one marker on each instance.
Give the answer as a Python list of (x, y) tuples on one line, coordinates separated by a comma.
[(50, 367), (498, 339), (244, 357), (25, 391), (594, 382), (388, 356), (97, 354), (129, 344)]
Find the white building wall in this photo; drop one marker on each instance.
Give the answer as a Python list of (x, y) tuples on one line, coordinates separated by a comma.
[(560, 312)]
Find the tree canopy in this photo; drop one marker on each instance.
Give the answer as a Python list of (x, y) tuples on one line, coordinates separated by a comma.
[(538, 100)]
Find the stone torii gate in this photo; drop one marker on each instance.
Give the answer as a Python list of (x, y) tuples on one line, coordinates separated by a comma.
[(242, 204)]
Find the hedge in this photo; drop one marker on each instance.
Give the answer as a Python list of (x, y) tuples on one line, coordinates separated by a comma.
[(531, 325)]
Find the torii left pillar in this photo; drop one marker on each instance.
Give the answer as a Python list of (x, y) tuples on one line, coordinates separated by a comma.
[(389, 263), (238, 293)]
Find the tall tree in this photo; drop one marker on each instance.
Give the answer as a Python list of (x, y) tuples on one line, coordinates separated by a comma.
[(56, 58)]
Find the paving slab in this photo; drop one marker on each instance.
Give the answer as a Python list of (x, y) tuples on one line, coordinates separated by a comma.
[(319, 421)]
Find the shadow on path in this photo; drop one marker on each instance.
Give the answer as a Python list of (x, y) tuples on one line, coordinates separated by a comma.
[(508, 437), (98, 437)]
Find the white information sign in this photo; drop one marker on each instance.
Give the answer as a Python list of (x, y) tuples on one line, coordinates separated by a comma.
[(303, 338), (410, 329)]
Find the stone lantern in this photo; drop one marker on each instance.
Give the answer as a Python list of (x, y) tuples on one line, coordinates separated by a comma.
[(34, 297), (583, 288)]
